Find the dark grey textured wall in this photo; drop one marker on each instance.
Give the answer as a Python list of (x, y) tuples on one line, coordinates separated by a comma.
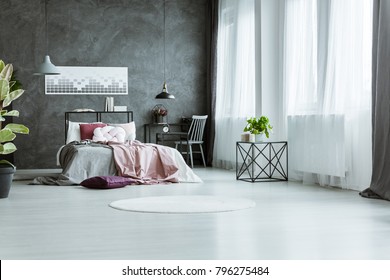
[(102, 33)]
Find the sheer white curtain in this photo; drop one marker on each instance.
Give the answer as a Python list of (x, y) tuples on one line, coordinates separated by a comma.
[(328, 91), (235, 98)]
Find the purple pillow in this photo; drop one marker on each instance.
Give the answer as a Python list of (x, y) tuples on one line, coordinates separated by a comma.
[(107, 182)]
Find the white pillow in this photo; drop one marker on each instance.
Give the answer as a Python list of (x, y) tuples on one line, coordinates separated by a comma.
[(129, 128), (73, 132), (109, 133)]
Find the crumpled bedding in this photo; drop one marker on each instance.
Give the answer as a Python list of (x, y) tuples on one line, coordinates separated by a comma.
[(148, 163), (145, 162)]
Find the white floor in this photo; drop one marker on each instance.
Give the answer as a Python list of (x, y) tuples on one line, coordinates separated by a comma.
[(290, 221)]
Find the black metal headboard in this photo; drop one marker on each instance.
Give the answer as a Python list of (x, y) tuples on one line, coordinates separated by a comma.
[(97, 117)]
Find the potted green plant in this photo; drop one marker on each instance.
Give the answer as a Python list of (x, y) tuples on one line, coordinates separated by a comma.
[(258, 126), (9, 91)]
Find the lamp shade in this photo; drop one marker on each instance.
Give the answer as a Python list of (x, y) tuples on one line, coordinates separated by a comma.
[(165, 94), (47, 68)]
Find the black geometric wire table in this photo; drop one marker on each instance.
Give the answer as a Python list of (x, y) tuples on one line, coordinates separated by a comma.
[(261, 161)]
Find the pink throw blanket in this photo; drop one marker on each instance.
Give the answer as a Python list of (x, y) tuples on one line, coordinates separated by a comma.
[(148, 163)]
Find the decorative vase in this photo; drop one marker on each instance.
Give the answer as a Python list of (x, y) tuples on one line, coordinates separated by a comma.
[(245, 137), (252, 138), (6, 176), (160, 119), (159, 113)]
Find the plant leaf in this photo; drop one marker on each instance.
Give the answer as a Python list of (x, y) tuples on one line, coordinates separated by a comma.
[(11, 84), (6, 73), (6, 135), (3, 161), (2, 112), (13, 113), (12, 96), (2, 65), (7, 148), (17, 128), (4, 89)]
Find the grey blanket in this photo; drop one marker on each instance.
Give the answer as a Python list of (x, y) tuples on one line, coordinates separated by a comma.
[(79, 161)]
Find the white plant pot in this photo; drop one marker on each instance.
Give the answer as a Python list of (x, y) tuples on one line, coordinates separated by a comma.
[(252, 138), (259, 137)]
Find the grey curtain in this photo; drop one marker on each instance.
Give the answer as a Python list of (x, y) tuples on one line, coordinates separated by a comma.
[(380, 181), (212, 34)]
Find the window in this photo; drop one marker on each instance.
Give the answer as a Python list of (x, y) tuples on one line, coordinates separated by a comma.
[(235, 93), (327, 89)]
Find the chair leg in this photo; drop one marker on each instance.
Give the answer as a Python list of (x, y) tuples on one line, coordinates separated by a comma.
[(201, 152), (191, 158)]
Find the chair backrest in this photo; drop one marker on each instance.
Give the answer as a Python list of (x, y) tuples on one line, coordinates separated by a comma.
[(197, 126)]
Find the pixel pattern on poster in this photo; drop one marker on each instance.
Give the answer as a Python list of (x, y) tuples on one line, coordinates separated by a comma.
[(88, 80)]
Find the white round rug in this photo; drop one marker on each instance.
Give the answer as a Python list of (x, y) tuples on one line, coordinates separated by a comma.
[(183, 204)]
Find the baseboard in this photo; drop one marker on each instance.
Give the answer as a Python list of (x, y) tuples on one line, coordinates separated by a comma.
[(29, 174)]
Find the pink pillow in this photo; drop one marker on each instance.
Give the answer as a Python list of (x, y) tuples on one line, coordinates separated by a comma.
[(86, 130)]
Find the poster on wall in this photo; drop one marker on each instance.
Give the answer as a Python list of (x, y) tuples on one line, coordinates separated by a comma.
[(88, 80)]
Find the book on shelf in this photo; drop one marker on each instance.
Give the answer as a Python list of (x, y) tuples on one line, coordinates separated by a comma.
[(109, 104)]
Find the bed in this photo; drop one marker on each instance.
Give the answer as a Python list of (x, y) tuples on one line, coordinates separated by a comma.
[(82, 158)]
